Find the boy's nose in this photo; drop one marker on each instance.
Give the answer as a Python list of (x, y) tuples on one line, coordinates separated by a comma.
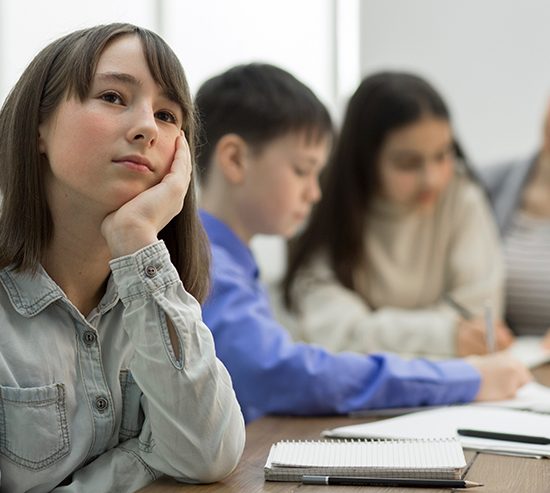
[(314, 190)]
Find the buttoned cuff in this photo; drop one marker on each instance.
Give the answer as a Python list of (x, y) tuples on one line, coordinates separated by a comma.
[(143, 272)]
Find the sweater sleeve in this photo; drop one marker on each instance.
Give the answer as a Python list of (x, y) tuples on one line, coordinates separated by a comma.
[(337, 318)]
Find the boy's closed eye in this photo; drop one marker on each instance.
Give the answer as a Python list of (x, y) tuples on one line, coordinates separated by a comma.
[(302, 170)]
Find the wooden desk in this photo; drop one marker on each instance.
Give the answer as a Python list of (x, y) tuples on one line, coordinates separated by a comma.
[(500, 474)]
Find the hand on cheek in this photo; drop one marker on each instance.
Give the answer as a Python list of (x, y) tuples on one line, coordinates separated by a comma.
[(137, 223)]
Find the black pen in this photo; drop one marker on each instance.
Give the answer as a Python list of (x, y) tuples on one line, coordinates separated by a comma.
[(405, 482), (510, 437)]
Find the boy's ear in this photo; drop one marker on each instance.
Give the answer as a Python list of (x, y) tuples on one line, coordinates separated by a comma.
[(231, 151)]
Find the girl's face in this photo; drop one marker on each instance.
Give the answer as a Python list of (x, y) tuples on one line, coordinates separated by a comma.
[(118, 142), (416, 163)]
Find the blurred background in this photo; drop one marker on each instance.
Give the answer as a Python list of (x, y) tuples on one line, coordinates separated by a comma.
[(488, 58)]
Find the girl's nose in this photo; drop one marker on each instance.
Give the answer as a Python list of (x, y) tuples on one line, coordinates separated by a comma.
[(144, 127), (430, 175)]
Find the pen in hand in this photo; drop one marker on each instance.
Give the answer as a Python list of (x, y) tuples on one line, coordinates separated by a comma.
[(489, 328)]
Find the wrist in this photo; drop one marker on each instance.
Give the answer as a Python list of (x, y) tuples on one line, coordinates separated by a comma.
[(129, 240)]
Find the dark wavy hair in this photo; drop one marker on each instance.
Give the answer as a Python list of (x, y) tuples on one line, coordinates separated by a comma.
[(383, 102)]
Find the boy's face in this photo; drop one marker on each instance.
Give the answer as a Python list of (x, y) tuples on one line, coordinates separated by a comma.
[(282, 184)]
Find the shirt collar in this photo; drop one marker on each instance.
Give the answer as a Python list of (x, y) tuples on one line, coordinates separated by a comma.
[(219, 234), (30, 293)]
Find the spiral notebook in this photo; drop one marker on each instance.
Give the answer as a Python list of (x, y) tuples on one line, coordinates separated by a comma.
[(412, 458)]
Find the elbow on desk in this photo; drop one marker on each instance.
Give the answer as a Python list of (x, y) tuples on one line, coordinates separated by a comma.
[(209, 463), (213, 467)]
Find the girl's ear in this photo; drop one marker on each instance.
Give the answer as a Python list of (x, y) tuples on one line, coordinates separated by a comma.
[(230, 156), (41, 141)]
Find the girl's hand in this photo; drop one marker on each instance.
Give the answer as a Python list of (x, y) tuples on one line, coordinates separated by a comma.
[(472, 338), (137, 223), (546, 340)]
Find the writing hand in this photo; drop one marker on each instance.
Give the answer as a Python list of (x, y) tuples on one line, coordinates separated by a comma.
[(136, 224), (501, 376), (472, 338)]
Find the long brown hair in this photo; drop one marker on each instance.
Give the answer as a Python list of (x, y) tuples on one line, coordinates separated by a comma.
[(382, 103), (66, 68)]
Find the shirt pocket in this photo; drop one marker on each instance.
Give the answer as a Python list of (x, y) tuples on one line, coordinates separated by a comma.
[(132, 413), (33, 425)]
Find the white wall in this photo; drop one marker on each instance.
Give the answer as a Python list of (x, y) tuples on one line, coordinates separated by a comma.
[(490, 59), (212, 35), (27, 26)]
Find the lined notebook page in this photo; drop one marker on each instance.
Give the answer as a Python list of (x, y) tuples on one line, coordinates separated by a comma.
[(426, 458)]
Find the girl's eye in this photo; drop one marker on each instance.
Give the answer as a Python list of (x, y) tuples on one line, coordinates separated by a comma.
[(112, 97), (166, 116), (445, 155), (408, 165)]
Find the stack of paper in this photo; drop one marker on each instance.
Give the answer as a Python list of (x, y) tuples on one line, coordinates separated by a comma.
[(444, 422), (529, 350)]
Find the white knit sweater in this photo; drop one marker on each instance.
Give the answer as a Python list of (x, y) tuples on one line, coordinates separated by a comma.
[(417, 260)]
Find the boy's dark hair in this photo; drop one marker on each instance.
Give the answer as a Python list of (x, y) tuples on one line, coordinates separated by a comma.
[(258, 102)]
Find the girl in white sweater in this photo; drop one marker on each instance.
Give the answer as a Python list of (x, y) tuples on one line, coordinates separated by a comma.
[(401, 253)]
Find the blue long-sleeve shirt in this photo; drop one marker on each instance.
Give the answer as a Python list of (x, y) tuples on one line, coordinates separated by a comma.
[(274, 375)]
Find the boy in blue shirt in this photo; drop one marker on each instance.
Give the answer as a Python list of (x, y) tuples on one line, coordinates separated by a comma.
[(266, 139)]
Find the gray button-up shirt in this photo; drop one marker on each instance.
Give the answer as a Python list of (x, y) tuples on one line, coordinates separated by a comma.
[(101, 403)]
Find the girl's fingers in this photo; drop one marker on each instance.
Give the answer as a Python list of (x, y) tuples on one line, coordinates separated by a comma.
[(182, 156)]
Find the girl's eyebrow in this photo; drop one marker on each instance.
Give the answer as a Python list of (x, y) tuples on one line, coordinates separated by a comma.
[(119, 77)]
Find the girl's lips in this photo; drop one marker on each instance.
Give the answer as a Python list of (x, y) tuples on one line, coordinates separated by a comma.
[(134, 166), (427, 197), (135, 162)]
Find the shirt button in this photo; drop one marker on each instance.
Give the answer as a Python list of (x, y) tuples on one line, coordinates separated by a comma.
[(150, 271), (101, 404), (89, 337)]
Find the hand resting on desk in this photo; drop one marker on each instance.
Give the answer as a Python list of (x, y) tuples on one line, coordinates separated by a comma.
[(501, 376)]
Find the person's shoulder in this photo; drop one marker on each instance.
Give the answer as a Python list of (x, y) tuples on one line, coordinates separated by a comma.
[(317, 270), (465, 192), (223, 262), (494, 174)]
